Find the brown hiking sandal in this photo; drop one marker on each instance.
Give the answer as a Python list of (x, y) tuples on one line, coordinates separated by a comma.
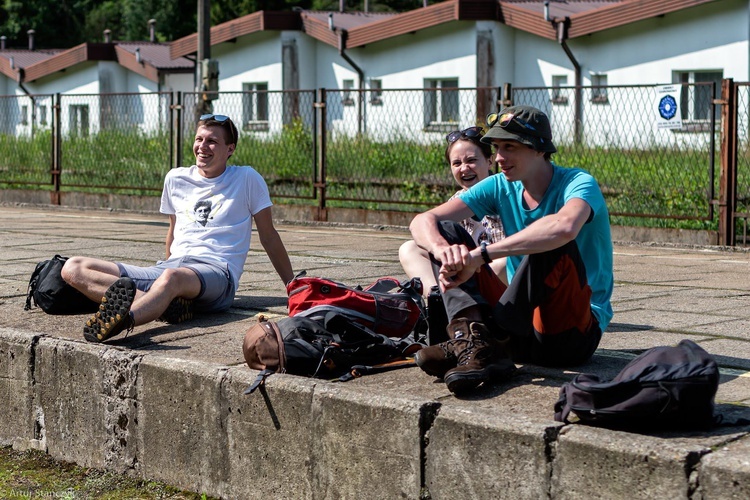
[(179, 310), (113, 315)]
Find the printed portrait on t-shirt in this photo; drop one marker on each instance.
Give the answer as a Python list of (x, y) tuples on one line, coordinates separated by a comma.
[(202, 211)]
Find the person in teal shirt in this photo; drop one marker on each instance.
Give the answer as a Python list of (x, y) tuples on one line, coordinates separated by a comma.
[(559, 262)]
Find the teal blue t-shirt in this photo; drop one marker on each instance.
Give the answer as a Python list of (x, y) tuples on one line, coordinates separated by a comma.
[(496, 196)]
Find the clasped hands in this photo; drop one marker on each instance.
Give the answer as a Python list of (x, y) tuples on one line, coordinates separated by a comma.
[(457, 265)]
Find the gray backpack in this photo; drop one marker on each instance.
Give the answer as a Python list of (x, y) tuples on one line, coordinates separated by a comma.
[(664, 387)]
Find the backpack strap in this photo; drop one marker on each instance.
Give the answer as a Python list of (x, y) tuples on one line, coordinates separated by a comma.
[(33, 281), (259, 380)]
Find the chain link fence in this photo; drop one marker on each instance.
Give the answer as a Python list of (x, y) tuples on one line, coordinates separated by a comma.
[(115, 142), (643, 170), (378, 149), (386, 148), (26, 141), (742, 210)]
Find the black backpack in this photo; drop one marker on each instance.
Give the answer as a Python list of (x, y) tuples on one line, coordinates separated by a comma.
[(664, 387), (334, 346), (53, 295)]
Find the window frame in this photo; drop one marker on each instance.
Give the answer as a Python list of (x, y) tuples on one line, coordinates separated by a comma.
[(255, 109), (376, 92), (436, 118), (558, 82), (692, 122), (599, 94), (347, 96), (78, 120)]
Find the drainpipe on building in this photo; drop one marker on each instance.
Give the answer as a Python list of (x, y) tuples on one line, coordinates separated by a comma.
[(562, 33), (21, 86), (360, 74)]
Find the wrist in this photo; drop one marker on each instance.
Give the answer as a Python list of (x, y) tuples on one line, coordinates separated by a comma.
[(484, 254)]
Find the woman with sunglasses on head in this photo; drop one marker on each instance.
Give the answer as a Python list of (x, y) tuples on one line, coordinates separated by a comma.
[(558, 251), (470, 162), (211, 208)]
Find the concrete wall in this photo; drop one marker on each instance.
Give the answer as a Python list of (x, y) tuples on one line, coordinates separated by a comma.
[(189, 424)]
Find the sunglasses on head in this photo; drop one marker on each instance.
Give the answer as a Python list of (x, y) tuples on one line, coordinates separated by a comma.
[(222, 119), (216, 118), (468, 133), (503, 120)]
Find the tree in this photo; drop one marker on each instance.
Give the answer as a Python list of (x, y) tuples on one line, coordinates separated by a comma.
[(66, 23)]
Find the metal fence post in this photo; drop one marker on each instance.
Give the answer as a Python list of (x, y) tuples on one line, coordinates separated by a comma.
[(505, 96), (320, 113), (728, 179), (56, 141), (175, 130)]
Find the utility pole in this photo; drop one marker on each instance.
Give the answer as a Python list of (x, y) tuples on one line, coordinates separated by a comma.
[(207, 81)]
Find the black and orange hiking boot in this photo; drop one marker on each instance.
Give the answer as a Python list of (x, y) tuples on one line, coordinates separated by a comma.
[(113, 315), (179, 310), (483, 358)]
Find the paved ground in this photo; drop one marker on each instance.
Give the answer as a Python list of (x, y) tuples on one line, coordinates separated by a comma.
[(662, 294)]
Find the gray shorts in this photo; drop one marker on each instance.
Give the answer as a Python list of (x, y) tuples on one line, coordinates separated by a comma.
[(217, 287)]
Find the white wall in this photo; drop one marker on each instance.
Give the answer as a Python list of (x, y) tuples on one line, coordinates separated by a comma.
[(179, 82), (253, 58)]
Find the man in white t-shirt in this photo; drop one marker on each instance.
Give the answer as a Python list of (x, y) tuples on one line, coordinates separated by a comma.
[(211, 209)]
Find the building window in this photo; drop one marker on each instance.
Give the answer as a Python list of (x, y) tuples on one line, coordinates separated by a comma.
[(347, 97), (599, 89), (441, 106), (24, 115), (376, 92), (255, 106), (559, 81), (79, 120), (698, 94), (42, 115)]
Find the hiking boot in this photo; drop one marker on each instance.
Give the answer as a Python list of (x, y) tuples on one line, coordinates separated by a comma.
[(483, 359), (177, 311), (437, 359), (113, 315)]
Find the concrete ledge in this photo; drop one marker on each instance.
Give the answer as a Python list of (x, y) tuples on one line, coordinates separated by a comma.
[(17, 388), (189, 424), (270, 436), (365, 443), (475, 454), (725, 473)]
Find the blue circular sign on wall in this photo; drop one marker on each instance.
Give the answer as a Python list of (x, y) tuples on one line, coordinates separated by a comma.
[(667, 107)]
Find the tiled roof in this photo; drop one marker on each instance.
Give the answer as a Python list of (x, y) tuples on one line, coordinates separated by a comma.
[(154, 59), (582, 18), (157, 55), (245, 25), (585, 17), (13, 59)]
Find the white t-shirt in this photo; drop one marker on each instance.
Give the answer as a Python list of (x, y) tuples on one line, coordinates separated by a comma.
[(214, 216)]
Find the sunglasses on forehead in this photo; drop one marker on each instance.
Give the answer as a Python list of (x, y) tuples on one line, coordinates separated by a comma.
[(223, 120), (468, 133), (216, 118), (505, 119)]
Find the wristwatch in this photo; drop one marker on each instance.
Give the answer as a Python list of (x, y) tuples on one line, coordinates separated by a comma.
[(485, 255)]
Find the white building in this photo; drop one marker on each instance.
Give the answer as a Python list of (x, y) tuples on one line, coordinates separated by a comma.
[(363, 58), (120, 83)]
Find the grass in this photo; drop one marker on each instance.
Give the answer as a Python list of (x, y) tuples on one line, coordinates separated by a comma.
[(33, 474), (670, 186)]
